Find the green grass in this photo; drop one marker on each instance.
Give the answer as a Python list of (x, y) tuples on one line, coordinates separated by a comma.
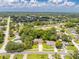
[(47, 46), (49, 50), (18, 56), (57, 56), (77, 41), (71, 48), (32, 50), (0, 45), (34, 46), (59, 50), (4, 56), (67, 57), (37, 56)]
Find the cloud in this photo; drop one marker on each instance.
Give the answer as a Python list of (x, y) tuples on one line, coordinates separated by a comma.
[(10, 0), (68, 4), (34, 3), (54, 1), (77, 6), (57, 0), (6, 1)]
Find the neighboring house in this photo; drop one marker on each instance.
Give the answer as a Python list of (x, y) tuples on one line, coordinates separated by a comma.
[(50, 43)]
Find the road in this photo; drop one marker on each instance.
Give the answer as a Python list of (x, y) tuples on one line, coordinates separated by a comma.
[(31, 52), (6, 34)]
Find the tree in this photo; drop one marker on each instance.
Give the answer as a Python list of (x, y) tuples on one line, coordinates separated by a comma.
[(77, 30), (58, 44), (49, 35), (75, 55), (27, 40), (62, 30), (66, 38), (14, 47), (53, 37), (57, 56), (70, 24), (45, 36), (1, 37), (39, 33), (53, 30)]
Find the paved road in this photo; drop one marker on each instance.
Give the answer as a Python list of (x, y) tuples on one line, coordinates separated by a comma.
[(30, 52), (6, 34)]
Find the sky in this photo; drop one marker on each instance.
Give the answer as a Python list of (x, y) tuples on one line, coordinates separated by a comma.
[(39, 6)]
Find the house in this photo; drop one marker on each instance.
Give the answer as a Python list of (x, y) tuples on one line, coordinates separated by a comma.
[(50, 43), (37, 40)]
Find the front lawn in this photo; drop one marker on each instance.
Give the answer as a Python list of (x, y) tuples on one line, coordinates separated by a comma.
[(51, 50), (67, 57), (73, 48), (59, 50), (34, 46), (4, 56), (37, 56), (47, 47), (18, 56)]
